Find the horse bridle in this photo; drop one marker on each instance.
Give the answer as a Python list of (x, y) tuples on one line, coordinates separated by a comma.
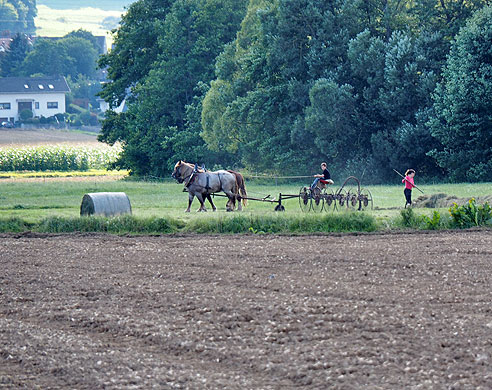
[(178, 177)]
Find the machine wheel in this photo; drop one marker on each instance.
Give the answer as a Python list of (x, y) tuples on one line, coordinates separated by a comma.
[(305, 199), (341, 196), (330, 203), (352, 199), (317, 200), (365, 199)]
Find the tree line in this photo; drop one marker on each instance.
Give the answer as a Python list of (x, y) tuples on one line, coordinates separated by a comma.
[(17, 16), (281, 85)]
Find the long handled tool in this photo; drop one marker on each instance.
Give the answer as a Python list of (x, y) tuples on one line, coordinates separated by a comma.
[(404, 178)]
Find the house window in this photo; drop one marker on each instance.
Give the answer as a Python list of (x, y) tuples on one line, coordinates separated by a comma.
[(41, 86), (4, 106), (52, 104), (36, 105)]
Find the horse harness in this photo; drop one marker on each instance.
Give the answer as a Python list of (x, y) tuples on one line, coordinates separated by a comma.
[(207, 187)]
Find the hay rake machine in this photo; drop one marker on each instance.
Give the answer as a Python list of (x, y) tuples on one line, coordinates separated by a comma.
[(349, 196)]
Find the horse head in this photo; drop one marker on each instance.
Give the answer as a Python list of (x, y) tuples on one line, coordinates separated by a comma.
[(181, 171), (176, 175)]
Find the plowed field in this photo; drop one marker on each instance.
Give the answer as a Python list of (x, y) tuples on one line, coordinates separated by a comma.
[(378, 311)]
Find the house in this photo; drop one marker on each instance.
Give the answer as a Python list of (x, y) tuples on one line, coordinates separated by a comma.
[(44, 96)]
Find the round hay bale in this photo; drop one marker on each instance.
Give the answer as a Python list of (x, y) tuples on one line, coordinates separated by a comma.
[(105, 203)]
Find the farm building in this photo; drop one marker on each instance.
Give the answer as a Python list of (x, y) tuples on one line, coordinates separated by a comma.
[(44, 96)]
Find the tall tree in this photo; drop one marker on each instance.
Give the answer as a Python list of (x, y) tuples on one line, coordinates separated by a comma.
[(17, 16), (190, 36), (11, 64), (462, 117), (135, 48), (69, 56)]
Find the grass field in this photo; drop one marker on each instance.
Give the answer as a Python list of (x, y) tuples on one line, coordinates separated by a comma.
[(35, 199), (59, 22), (110, 5)]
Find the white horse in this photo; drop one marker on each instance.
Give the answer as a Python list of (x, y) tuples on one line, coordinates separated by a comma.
[(201, 184)]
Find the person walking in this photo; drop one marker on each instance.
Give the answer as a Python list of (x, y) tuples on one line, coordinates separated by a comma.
[(409, 184)]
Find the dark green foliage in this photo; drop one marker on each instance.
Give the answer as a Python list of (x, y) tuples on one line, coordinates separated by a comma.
[(462, 118), (135, 48), (14, 225), (433, 222), (69, 56), (11, 62), (295, 82), (409, 219), (178, 54), (25, 114), (335, 81)]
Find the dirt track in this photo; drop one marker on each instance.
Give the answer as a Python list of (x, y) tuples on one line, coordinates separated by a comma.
[(397, 311)]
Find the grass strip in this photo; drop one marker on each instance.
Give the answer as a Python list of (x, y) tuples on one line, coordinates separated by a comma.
[(223, 224)]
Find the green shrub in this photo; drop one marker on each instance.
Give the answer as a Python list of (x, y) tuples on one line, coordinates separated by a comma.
[(14, 225), (471, 214), (409, 219), (434, 222), (26, 114)]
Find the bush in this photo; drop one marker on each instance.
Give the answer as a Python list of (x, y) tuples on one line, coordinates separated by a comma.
[(14, 225), (433, 222), (470, 214), (408, 219), (26, 114)]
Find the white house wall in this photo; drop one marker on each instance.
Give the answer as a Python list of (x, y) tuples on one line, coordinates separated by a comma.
[(42, 98)]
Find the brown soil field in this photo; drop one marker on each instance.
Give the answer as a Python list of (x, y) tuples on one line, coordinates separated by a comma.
[(372, 311)]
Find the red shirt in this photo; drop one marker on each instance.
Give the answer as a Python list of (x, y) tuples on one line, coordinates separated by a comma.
[(408, 182)]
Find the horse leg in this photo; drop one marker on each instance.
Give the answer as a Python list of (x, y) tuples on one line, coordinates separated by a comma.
[(231, 203), (202, 202), (209, 197), (190, 201), (239, 206)]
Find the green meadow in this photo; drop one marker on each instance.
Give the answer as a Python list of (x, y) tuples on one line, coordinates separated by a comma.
[(51, 22), (56, 201)]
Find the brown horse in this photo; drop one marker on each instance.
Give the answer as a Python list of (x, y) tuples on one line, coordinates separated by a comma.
[(243, 195)]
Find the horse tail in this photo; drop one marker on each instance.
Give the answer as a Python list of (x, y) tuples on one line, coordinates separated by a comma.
[(241, 186)]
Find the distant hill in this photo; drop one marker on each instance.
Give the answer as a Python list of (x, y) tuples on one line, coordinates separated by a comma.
[(107, 5)]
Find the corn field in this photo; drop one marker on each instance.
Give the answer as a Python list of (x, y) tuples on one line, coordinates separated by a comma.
[(57, 158)]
